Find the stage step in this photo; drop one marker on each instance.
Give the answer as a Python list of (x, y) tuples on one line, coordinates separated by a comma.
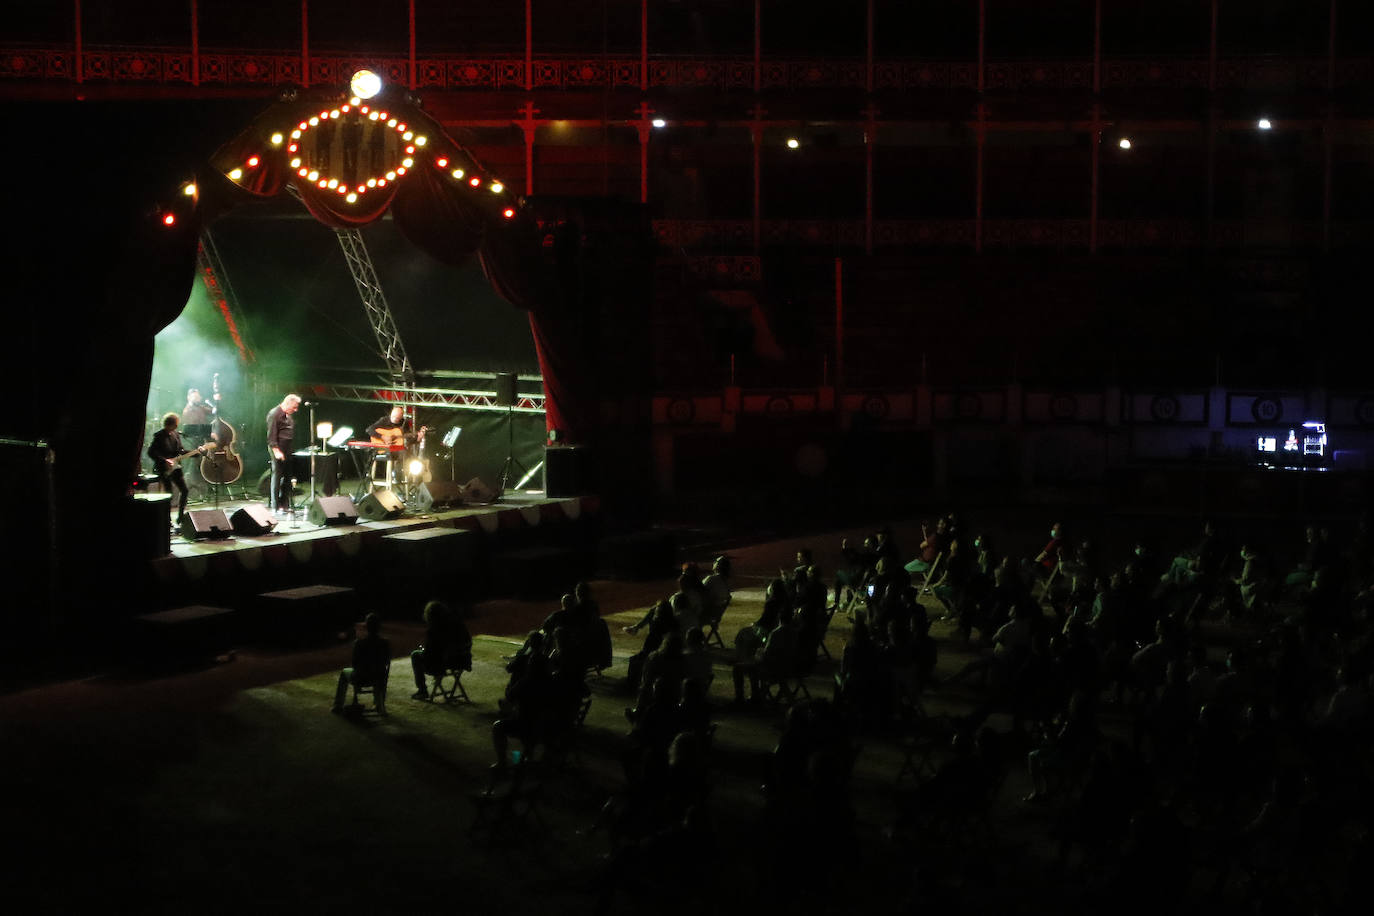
[(293, 614), (183, 633), (431, 563)]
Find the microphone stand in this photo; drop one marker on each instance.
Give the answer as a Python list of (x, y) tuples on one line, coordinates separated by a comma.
[(312, 454)]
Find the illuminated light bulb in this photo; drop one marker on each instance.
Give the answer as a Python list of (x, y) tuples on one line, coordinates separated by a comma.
[(343, 189), (301, 126), (296, 134), (421, 140), (410, 150), (441, 162), (391, 123), (236, 174), (351, 198), (313, 175), (302, 172), (1124, 143), (659, 122), (354, 101), (372, 116), (362, 188), (497, 187), (407, 135), (334, 114), (252, 162), (508, 212), (323, 184), (793, 143), (407, 162), (277, 139), (333, 182), (344, 109), (381, 182), (364, 109), (401, 170), (189, 190), (401, 127), (295, 163), (475, 181), (457, 173), (372, 182), (1265, 124), (390, 176), (417, 467), (293, 147), (314, 122), (382, 115), (169, 219), (364, 84)]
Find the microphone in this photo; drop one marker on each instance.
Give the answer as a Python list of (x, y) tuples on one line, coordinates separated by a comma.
[(310, 403)]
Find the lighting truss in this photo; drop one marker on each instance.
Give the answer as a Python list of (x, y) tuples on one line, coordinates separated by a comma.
[(216, 280), (392, 351), (457, 399)]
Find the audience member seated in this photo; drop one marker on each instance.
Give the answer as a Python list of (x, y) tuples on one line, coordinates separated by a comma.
[(1063, 754), (661, 622), (932, 545), (775, 660), (717, 592), (371, 660), (861, 685), (696, 661), (447, 646)]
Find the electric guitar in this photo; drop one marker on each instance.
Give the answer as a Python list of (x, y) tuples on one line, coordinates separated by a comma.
[(166, 464)]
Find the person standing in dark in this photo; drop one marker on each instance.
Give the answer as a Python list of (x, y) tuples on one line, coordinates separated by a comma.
[(164, 451), (281, 430)]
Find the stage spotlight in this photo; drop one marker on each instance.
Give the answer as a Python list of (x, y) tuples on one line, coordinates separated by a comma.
[(365, 84), (253, 162), (169, 219), (351, 198), (189, 189), (417, 467), (277, 139), (1265, 124), (421, 140), (659, 122), (1124, 143), (235, 174), (508, 212), (457, 173), (793, 143), (497, 187)]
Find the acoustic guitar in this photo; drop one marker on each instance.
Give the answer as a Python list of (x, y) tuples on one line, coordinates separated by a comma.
[(395, 438)]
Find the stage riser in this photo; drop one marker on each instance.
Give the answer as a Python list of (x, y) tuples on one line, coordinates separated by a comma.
[(391, 570)]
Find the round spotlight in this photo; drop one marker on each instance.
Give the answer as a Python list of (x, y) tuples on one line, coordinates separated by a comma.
[(1124, 143), (417, 467), (508, 212), (169, 219), (189, 189), (1264, 124), (365, 84), (235, 174), (793, 143), (659, 122)]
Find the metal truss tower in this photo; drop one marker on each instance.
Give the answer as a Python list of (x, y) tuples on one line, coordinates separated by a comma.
[(393, 352), (216, 281)]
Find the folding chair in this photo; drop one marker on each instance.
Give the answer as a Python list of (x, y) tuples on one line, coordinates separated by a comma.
[(510, 804), (454, 690), (377, 688), (712, 627)]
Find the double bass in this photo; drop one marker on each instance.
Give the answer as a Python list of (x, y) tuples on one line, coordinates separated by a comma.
[(223, 465)]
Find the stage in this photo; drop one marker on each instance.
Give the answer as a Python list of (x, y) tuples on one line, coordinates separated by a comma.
[(521, 545)]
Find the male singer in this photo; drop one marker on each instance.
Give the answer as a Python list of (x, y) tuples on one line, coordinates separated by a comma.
[(281, 429)]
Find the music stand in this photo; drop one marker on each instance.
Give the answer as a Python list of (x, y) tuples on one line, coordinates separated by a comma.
[(449, 440)]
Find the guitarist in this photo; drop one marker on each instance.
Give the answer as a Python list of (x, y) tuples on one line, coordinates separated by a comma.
[(166, 452), (394, 429)]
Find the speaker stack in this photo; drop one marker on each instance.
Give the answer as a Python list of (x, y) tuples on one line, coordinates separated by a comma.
[(477, 491), (332, 510), (381, 505)]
